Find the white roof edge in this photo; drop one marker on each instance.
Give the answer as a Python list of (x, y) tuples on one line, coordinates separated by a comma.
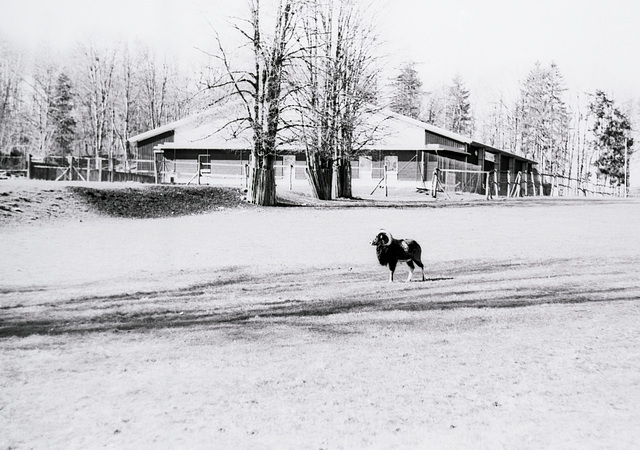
[(200, 146), (171, 126), (451, 134), (428, 127)]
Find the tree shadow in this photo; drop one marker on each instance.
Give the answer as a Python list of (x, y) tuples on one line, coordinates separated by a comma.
[(241, 300)]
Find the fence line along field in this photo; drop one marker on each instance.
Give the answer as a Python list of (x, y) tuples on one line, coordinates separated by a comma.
[(277, 328)]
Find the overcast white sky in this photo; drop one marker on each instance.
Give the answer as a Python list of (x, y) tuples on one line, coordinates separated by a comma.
[(492, 44)]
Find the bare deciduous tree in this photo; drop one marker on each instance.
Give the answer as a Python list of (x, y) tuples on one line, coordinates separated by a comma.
[(11, 81), (336, 89), (96, 79), (261, 90)]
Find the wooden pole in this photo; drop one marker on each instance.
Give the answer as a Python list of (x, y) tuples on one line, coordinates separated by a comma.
[(487, 187), (509, 183), (291, 171), (434, 183), (626, 156), (199, 168), (155, 167), (386, 183), (29, 167)]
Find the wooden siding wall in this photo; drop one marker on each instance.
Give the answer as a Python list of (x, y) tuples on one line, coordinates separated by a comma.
[(431, 138), (144, 148)]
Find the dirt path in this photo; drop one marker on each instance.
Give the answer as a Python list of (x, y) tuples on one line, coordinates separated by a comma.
[(277, 329)]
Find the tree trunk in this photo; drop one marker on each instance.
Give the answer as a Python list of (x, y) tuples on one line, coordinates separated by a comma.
[(342, 179), (320, 176), (262, 182)]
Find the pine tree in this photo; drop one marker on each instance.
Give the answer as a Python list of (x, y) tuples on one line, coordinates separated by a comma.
[(61, 114), (611, 130), (459, 119), (407, 93), (543, 119)]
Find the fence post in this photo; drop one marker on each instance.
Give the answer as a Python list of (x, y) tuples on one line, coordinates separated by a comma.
[(434, 183), (487, 188), (291, 172), (496, 182), (386, 184), (199, 169), (509, 183), (29, 167)]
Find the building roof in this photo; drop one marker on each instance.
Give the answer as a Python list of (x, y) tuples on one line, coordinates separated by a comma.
[(445, 133), (219, 129)]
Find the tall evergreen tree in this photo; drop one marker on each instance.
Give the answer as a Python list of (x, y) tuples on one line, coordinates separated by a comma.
[(459, 119), (407, 94), (612, 136), (543, 118), (61, 113)]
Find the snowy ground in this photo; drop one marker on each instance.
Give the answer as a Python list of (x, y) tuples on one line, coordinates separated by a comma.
[(276, 328)]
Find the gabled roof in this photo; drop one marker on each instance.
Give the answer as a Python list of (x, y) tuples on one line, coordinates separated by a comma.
[(202, 130), (428, 127), (158, 131), (219, 129), (451, 135)]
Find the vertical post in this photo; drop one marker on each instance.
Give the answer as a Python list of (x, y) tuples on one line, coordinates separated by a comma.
[(626, 156), (496, 186), (291, 172), (487, 186), (509, 183), (434, 183), (199, 168), (70, 158), (386, 184), (29, 167), (155, 168), (541, 185)]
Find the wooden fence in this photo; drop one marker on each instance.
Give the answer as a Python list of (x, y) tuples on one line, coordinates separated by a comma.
[(81, 169), (527, 184)]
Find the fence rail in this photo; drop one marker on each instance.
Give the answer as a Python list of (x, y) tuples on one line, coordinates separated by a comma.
[(67, 168), (453, 177)]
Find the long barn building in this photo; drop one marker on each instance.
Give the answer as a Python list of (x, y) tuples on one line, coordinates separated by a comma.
[(206, 148)]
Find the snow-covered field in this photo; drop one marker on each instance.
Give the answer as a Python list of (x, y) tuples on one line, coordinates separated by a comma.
[(276, 328)]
